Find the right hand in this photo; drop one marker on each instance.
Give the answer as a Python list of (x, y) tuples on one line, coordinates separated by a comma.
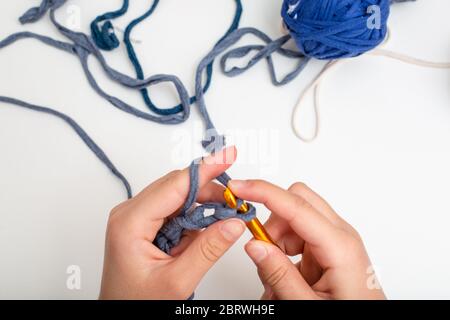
[(334, 263)]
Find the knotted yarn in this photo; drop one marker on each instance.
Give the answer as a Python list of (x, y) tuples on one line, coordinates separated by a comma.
[(332, 29), (104, 36)]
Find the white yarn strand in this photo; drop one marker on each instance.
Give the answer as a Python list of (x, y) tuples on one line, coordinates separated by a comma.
[(316, 84)]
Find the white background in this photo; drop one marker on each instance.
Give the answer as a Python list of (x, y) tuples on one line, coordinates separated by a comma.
[(382, 158)]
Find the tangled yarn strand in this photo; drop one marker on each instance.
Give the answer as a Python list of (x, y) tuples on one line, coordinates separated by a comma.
[(83, 46), (139, 70), (264, 52)]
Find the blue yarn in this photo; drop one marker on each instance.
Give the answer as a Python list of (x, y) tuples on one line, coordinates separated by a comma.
[(332, 29), (104, 37), (138, 67), (263, 52)]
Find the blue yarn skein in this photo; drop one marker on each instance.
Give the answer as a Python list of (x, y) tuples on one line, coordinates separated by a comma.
[(266, 50), (104, 37), (332, 29)]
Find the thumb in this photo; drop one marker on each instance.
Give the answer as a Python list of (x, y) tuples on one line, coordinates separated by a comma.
[(207, 248), (278, 273)]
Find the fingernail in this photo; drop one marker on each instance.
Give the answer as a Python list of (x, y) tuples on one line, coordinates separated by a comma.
[(232, 229), (237, 184), (257, 252)]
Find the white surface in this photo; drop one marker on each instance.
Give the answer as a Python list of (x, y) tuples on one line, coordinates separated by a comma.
[(382, 158)]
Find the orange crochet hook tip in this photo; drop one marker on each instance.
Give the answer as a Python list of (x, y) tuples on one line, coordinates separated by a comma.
[(255, 226)]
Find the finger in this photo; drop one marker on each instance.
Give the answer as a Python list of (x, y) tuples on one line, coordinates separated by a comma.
[(212, 192), (168, 194), (206, 250), (278, 272), (309, 268), (316, 201), (310, 225), (281, 232)]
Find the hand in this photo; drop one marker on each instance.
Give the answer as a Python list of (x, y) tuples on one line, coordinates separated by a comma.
[(334, 262), (136, 269)]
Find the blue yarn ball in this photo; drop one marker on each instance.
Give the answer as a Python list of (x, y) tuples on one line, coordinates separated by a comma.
[(332, 29)]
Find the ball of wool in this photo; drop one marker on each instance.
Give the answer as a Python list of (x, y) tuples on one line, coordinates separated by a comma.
[(332, 29)]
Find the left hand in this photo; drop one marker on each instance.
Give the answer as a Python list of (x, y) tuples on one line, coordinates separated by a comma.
[(134, 268)]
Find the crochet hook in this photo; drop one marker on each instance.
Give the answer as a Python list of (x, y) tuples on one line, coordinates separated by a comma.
[(255, 226)]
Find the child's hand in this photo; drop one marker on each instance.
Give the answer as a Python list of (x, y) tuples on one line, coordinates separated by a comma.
[(334, 262), (135, 269)]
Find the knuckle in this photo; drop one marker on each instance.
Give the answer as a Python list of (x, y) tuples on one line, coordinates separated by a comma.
[(211, 250), (117, 222), (275, 277), (298, 188), (353, 243), (176, 181), (118, 208), (113, 229), (113, 221), (255, 183)]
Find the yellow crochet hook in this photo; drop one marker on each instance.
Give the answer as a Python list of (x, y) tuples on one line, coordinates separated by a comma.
[(255, 226)]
